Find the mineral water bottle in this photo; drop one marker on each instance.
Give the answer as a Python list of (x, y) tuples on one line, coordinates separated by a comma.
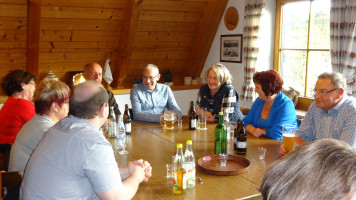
[(120, 132), (179, 181), (112, 125), (189, 164), (220, 136)]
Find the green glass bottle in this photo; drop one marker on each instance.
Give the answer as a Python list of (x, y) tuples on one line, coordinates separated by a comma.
[(220, 136)]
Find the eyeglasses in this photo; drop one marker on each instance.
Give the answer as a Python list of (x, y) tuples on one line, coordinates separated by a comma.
[(149, 77), (323, 92)]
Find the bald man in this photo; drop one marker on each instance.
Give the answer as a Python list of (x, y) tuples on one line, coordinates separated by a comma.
[(93, 71), (75, 161)]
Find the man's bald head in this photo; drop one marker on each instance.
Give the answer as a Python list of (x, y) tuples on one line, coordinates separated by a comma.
[(93, 71), (86, 99)]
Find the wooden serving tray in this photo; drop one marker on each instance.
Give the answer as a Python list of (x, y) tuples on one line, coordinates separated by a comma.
[(234, 165)]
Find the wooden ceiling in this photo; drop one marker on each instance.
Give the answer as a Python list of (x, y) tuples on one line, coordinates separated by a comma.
[(62, 35)]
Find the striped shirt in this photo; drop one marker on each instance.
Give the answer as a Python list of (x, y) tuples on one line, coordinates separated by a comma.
[(338, 123)]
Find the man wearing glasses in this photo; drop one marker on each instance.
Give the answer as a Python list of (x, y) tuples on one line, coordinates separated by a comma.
[(149, 99), (332, 115)]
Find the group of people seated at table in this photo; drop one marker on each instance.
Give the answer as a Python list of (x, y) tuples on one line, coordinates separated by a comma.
[(84, 166)]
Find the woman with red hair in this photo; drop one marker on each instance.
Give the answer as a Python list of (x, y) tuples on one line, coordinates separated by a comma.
[(271, 109)]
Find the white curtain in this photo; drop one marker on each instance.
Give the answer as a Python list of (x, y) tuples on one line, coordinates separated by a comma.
[(343, 40), (253, 13)]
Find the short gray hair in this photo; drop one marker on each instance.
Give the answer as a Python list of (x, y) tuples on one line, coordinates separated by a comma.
[(322, 169), (150, 66), (337, 79), (222, 73)]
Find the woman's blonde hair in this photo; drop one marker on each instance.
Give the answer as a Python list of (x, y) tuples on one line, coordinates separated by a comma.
[(222, 73)]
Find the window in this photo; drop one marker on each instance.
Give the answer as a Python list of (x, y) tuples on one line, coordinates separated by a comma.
[(302, 42)]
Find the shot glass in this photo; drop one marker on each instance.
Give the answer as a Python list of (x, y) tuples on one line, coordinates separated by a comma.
[(261, 152), (223, 160), (169, 168), (180, 123)]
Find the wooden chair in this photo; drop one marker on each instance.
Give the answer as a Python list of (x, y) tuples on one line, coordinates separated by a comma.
[(11, 181)]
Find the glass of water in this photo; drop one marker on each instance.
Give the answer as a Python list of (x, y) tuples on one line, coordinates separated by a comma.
[(121, 141)]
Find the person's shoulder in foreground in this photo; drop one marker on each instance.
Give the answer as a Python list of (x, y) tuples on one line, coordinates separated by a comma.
[(322, 169), (77, 156)]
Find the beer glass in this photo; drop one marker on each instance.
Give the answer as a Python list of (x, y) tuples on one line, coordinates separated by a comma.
[(288, 133), (202, 119), (168, 119)]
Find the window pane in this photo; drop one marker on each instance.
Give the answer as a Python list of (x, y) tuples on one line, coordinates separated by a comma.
[(293, 69), (319, 62), (320, 25), (295, 25)]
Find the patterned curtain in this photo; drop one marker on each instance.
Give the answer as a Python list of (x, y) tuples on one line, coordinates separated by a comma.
[(253, 13), (343, 40)]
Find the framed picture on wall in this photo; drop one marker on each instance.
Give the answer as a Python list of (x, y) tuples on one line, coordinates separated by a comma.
[(231, 48)]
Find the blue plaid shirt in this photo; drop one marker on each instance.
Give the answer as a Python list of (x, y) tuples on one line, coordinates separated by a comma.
[(338, 123)]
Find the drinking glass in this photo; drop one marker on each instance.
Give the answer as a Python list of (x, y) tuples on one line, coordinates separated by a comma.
[(168, 119), (121, 140), (202, 119), (288, 133)]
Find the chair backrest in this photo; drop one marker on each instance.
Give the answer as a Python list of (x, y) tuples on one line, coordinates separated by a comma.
[(4, 156), (11, 181)]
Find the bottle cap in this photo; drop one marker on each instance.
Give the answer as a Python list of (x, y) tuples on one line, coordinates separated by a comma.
[(189, 142), (179, 145), (221, 113)]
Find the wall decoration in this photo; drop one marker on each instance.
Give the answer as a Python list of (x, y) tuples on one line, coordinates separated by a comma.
[(231, 48), (231, 18)]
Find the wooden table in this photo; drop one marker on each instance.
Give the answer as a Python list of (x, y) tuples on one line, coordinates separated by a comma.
[(151, 142)]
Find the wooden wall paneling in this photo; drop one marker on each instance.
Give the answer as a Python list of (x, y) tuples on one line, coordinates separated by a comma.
[(80, 24), (13, 23), (33, 35), (160, 16), (81, 13), (117, 4), (13, 35), (203, 39), (165, 5), (167, 26), (12, 10), (159, 44), (159, 55), (127, 38), (164, 36)]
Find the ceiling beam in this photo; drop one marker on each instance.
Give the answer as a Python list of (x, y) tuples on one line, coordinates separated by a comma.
[(33, 35), (208, 26), (126, 41)]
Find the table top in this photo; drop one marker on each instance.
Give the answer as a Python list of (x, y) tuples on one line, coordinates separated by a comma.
[(151, 142)]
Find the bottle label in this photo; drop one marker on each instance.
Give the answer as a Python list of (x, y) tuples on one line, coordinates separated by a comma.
[(190, 168), (241, 145), (179, 181), (193, 123), (128, 127)]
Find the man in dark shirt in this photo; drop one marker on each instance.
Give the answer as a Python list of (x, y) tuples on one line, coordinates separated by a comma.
[(93, 71)]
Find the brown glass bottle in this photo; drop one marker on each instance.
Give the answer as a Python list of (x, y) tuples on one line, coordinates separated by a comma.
[(192, 117), (241, 140), (238, 124), (127, 120)]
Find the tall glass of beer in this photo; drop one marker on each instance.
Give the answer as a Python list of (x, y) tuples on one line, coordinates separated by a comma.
[(169, 119), (288, 133)]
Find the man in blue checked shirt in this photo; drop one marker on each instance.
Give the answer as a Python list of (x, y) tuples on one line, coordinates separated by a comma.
[(149, 99), (332, 115)]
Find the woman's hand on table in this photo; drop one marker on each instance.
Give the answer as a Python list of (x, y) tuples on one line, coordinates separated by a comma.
[(209, 117), (257, 132), (281, 150)]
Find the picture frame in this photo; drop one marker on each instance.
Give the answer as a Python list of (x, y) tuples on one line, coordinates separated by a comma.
[(231, 48)]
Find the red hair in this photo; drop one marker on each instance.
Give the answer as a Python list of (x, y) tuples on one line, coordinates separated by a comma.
[(270, 81)]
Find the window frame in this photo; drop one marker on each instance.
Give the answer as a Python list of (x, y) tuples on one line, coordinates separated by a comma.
[(303, 102)]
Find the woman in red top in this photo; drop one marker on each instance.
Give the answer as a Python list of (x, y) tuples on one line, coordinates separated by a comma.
[(18, 109)]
